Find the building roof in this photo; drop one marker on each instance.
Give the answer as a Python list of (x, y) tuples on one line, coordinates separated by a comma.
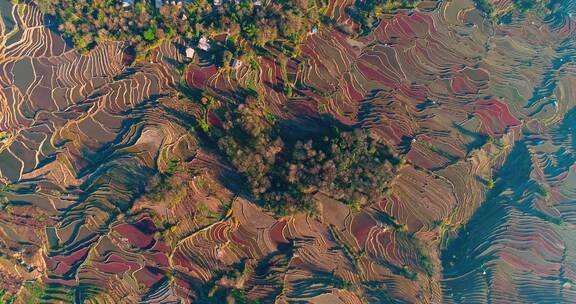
[(190, 53), (203, 44), (236, 63)]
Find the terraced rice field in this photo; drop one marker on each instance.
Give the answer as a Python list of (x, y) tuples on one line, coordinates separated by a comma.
[(482, 210)]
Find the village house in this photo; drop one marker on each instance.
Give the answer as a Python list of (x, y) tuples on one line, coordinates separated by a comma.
[(159, 3), (236, 64), (203, 44), (190, 53), (314, 29), (127, 3)]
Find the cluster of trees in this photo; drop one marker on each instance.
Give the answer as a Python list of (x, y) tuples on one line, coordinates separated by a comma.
[(259, 24), (367, 12), (284, 173), (87, 22)]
